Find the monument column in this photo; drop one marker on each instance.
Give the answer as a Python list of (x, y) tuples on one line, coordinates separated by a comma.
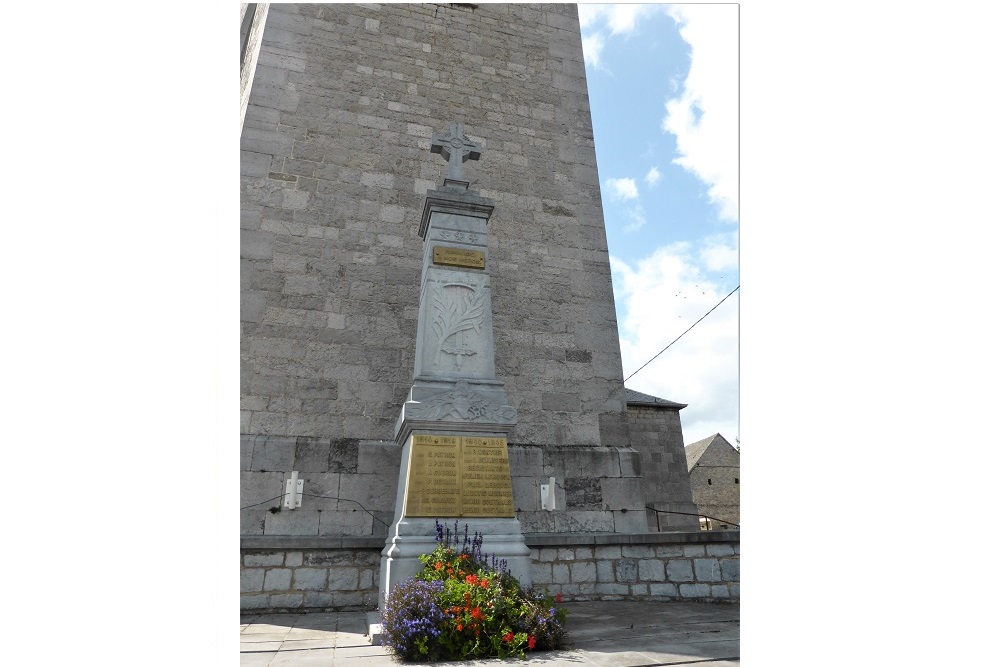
[(453, 426)]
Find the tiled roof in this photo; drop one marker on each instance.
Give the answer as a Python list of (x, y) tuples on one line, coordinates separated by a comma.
[(633, 397)]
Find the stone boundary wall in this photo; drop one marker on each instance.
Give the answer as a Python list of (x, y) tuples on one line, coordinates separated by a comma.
[(296, 574)]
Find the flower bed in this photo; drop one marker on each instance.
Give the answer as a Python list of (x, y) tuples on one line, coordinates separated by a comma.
[(464, 605)]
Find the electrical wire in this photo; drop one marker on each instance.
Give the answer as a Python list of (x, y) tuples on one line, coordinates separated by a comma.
[(350, 501), (688, 329), (324, 498), (261, 502)]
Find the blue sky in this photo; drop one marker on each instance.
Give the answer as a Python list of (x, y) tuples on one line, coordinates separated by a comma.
[(663, 83)]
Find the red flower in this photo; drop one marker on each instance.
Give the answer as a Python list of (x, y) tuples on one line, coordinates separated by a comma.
[(477, 614), (509, 636), (531, 643), (485, 583), (438, 565), (558, 597), (472, 579), (459, 628)]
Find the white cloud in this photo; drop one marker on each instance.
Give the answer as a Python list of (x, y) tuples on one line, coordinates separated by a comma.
[(658, 298), (619, 19), (622, 188), (652, 176), (704, 118), (592, 47), (609, 20), (720, 252), (637, 216)]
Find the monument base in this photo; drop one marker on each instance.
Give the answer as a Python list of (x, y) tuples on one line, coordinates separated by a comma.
[(410, 537)]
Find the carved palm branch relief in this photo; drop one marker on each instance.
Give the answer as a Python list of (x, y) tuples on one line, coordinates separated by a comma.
[(457, 307)]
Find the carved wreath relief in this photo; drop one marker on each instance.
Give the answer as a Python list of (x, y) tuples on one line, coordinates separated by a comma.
[(457, 309), (462, 404)]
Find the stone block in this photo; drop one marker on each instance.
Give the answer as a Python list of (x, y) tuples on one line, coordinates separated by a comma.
[(253, 601), (611, 589), (292, 522), (373, 492), (256, 245), (626, 571), (318, 599), (251, 580), (344, 454), (719, 549), (273, 454), (694, 590), (605, 571), (608, 552), (583, 572), (694, 550), (679, 570), (565, 555), (730, 569), (663, 590), (264, 559), (344, 579), (707, 569), (293, 559), (669, 551), (379, 457), (622, 493), (583, 462), (285, 601), (525, 461), (638, 551), (246, 454), (547, 555), (583, 493), (651, 570), (312, 455), (251, 521), (560, 573), (541, 573), (630, 522), (279, 579), (584, 522), (345, 522), (720, 591), (639, 590), (526, 494), (309, 578)]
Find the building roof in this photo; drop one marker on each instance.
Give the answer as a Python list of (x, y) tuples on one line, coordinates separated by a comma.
[(694, 451), (633, 397)]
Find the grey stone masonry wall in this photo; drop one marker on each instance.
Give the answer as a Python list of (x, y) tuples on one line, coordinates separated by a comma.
[(349, 486), (335, 160), (325, 574), (658, 566), (656, 434), (721, 498)]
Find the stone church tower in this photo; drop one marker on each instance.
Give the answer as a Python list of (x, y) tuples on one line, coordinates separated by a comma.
[(341, 104)]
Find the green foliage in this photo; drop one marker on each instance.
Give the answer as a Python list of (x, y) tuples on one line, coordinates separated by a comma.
[(465, 606)]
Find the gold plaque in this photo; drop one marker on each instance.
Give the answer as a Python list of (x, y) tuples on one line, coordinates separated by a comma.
[(450, 476), (433, 484), (486, 488), (472, 259)]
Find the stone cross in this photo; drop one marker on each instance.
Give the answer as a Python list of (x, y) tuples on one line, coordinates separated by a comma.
[(456, 148)]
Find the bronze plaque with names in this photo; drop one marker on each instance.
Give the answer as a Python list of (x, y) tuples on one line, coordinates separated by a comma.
[(471, 259), (453, 476)]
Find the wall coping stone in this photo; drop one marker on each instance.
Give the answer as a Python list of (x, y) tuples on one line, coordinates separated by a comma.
[(275, 542), (601, 539)]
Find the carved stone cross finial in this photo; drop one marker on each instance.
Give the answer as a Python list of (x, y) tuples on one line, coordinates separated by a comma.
[(456, 148)]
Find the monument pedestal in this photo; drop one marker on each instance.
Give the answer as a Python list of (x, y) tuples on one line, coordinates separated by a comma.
[(461, 480)]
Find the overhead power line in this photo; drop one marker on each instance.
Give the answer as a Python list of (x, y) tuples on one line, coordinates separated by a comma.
[(679, 337)]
